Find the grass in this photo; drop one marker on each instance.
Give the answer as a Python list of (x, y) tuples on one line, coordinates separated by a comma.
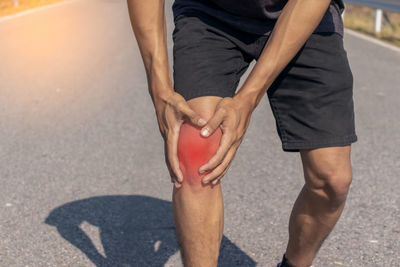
[(361, 19), (7, 6)]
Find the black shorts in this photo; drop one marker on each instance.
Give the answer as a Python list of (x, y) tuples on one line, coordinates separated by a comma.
[(311, 99)]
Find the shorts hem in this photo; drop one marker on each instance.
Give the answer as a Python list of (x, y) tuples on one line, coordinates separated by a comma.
[(188, 96), (296, 146)]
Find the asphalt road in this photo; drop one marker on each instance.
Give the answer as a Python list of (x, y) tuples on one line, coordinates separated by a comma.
[(82, 175)]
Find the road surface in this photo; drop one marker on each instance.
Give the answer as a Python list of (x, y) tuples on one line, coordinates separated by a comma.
[(82, 174)]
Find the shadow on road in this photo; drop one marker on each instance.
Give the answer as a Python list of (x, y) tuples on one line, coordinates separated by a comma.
[(134, 230)]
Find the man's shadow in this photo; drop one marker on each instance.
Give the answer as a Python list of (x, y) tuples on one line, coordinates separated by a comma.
[(134, 230)]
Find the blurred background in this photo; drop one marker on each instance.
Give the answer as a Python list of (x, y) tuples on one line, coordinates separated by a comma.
[(377, 18), (83, 180), (8, 7)]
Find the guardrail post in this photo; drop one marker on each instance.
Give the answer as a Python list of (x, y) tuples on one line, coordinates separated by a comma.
[(15, 2), (378, 20)]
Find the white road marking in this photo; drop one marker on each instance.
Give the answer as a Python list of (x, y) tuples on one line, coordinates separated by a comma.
[(372, 40), (157, 245)]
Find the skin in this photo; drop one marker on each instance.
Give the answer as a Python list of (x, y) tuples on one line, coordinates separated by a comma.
[(328, 175), (197, 208), (195, 150), (322, 198)]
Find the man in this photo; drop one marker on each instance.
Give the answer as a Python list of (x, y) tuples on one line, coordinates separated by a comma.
[(303, 68)]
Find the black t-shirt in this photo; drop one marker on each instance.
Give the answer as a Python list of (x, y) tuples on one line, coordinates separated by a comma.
[(256, 16)]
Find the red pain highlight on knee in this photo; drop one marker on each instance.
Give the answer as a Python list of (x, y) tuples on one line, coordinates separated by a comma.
[(194, 150)]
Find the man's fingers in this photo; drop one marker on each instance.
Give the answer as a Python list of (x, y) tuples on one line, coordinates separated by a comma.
[(192, 116), (229, 157), (174, 180), (224, 145), (213, 123), (172, 144), (220, 171), (218, 179)]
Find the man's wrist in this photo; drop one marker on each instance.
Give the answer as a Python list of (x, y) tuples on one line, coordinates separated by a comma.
[(258, 82), (160, 84), (160, 96), (250, 96)]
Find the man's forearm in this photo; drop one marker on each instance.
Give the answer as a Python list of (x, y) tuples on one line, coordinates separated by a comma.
[(149, 26), (297, 21)]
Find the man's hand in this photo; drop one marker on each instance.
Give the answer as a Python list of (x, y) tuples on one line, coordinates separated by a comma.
[(233, 116), (171, 113)]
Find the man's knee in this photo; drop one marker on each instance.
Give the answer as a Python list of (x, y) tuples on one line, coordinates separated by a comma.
[(194, 151), (334, 183), (329, 173)]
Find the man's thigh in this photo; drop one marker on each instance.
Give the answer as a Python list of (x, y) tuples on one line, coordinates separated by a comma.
[(207, 60), (312, 99)]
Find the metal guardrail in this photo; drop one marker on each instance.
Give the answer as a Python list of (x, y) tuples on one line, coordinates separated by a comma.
[(378, 5), (389, 6)]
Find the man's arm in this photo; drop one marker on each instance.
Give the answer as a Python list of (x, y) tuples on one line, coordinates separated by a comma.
[(149, 26), (297, 21)]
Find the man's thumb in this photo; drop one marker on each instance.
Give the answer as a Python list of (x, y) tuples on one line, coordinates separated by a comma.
[(212, 124), (194, 118)]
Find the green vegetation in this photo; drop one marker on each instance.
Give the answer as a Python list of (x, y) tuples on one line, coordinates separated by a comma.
[(361, 18)]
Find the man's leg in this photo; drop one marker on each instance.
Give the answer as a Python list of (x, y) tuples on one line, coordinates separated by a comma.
[(328, 175), (198, 209)]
